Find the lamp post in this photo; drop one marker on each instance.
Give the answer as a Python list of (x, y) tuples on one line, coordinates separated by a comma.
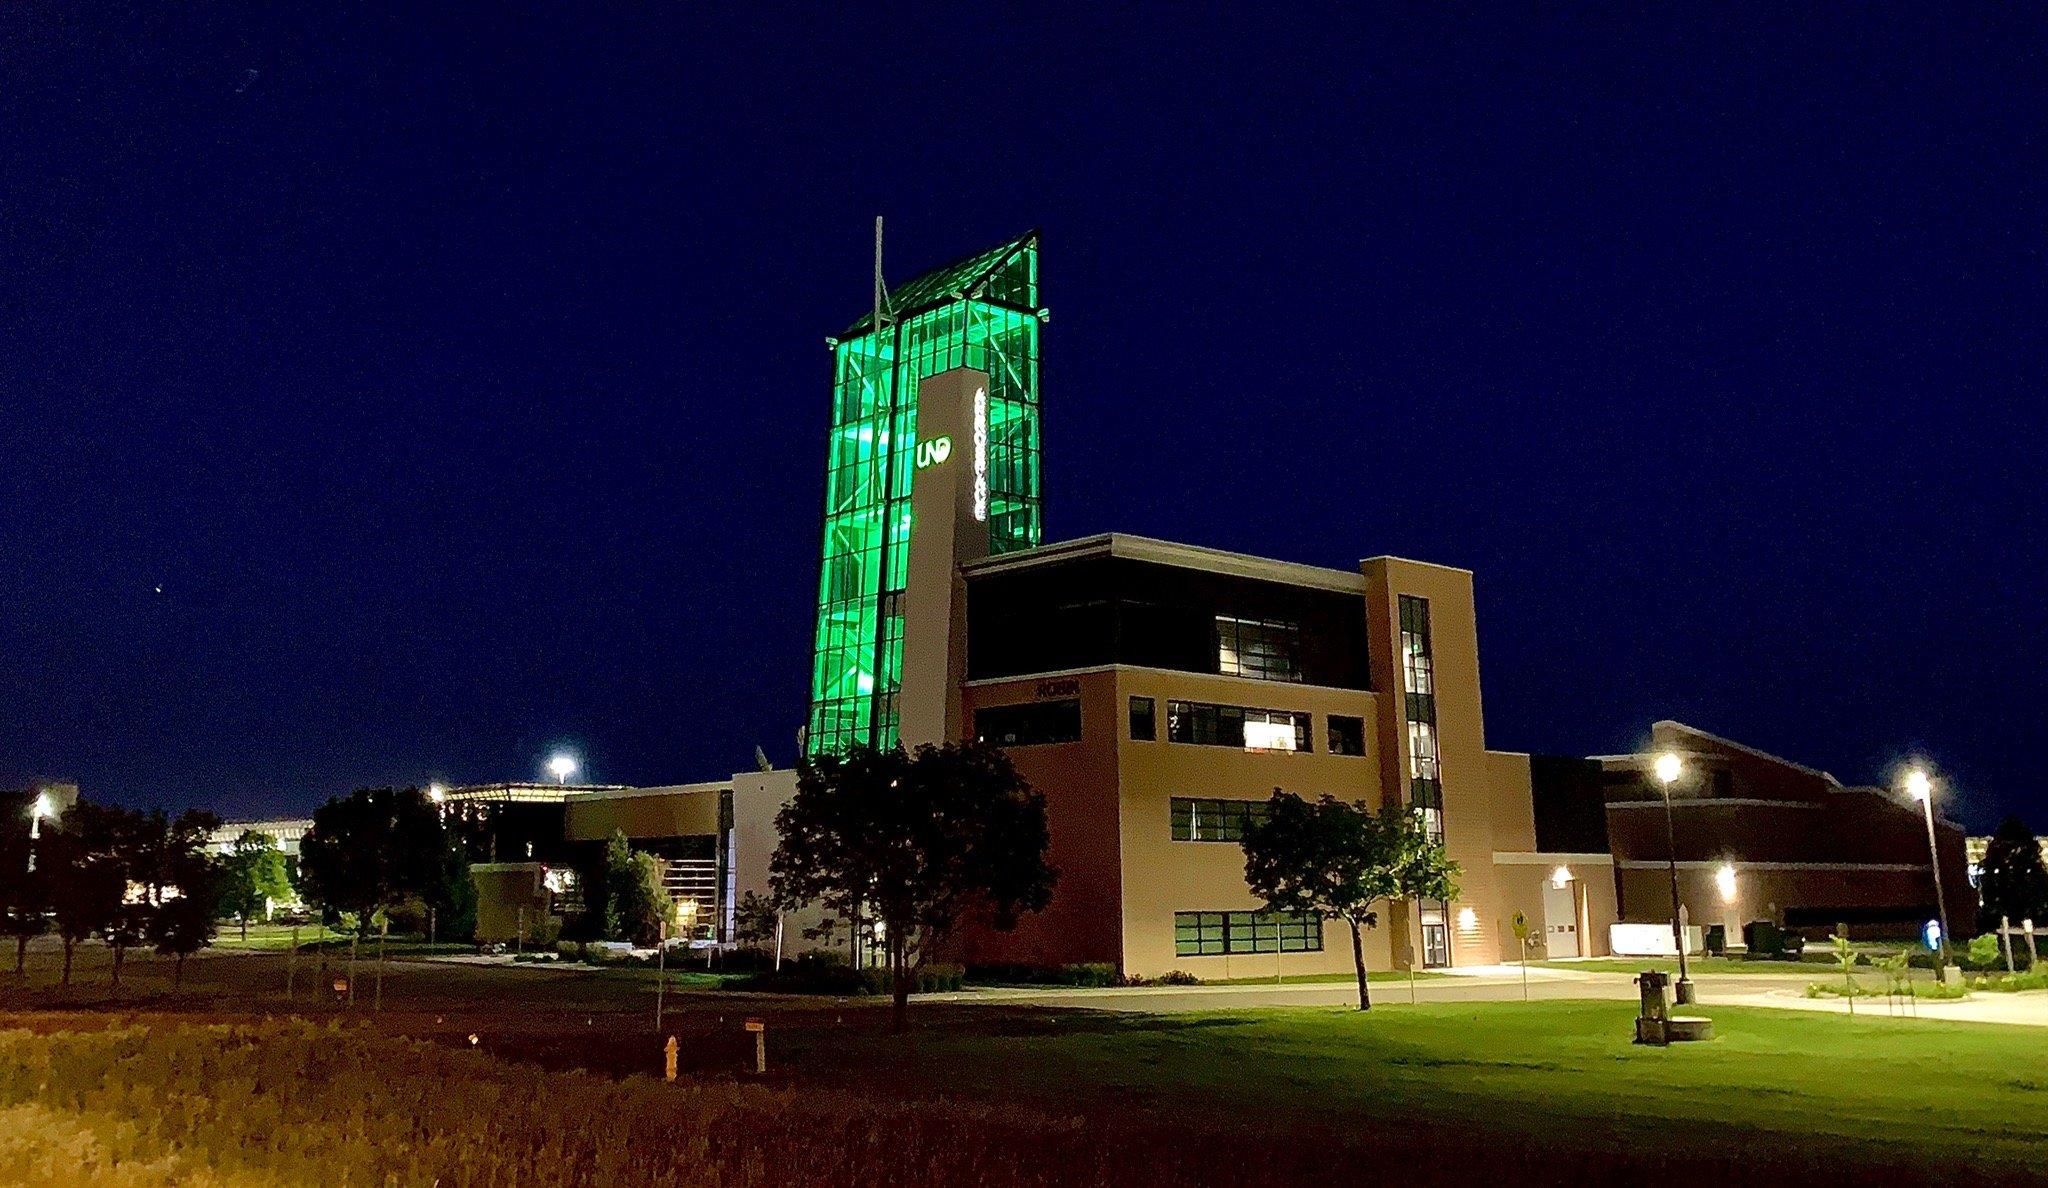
[(1921, 788), (1669, 768), (36, 812), (562, 766)]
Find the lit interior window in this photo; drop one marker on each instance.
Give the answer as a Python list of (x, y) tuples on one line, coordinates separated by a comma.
[(1263, 735)]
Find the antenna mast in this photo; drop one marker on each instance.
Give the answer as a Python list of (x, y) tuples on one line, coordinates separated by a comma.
[(881, 291)]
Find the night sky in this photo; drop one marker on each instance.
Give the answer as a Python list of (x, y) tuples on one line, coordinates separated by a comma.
[(459, 379)]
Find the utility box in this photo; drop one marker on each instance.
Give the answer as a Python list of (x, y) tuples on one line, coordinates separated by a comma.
[(1653, 1020)]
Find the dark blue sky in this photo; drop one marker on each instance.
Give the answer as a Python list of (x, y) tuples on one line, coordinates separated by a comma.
[(459, 377)]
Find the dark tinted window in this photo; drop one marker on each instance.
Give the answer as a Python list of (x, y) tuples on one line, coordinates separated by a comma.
[(1347, 735), (1029, 724), (1144, 727)]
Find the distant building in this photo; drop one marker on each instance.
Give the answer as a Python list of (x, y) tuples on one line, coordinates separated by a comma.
[(285, 832), (1764, 838)]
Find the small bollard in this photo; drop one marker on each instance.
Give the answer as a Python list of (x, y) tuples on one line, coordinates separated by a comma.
[(760, 1031), (669, 1060)]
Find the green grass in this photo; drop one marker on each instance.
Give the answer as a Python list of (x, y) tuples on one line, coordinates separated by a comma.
[(1917, 1092)]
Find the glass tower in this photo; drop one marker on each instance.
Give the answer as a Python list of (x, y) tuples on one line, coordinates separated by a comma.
[(982, 312)]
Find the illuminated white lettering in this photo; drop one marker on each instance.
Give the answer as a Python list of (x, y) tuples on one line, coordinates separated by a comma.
[(981, 453)]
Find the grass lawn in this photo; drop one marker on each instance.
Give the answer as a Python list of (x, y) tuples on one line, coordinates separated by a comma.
[(1888, 1092)]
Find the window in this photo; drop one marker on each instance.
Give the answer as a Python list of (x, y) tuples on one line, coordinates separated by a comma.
[(1418, 678), (1235, 726), (1143, 726), (1205, 934), (1264, 649), (1347, 735), (1204, 820), (1029, 724)]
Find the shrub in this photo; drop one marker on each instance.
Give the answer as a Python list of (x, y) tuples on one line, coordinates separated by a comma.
[(1178, 977), (1083, 974)]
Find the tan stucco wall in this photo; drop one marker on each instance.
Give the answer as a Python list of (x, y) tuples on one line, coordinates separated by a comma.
[(1162, 876), (1466, 771), (502, 889), (683, 811), (1521, 880), (1513, 801)]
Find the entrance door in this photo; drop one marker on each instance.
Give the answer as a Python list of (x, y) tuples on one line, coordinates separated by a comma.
[(1561, 920)]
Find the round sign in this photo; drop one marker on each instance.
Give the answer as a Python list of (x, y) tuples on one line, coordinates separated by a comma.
[(1930, 932)]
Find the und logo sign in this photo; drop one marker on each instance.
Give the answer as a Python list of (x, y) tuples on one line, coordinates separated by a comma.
[(933, 452)]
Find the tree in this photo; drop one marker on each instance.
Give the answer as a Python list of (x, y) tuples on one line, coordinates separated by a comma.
[(636, 902), (24, 894), (368, 851), (1337, 860), (181, 884), (921, 841), (87, 882), (2011, 881), (254, 876), (753, 921)]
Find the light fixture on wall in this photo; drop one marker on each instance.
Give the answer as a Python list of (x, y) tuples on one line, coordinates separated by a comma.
[(1560, 876), (1724, 882), (1468, 920)]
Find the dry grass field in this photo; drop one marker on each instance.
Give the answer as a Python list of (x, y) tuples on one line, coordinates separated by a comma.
[(224, 1081)]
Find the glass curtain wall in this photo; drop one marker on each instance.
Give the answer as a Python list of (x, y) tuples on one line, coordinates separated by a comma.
[(981, 313)]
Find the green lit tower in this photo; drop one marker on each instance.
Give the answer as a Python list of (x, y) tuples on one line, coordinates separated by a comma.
[(982, 312)]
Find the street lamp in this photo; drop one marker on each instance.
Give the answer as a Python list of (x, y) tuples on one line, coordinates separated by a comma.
[(562, 766), (437, 793), (43, 807), (1921, 788), (1669, 767)]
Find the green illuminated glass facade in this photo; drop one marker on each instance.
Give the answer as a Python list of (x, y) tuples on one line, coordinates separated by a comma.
[(983, 313)]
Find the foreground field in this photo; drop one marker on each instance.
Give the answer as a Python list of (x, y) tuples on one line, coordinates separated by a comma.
[(1544, 1092)]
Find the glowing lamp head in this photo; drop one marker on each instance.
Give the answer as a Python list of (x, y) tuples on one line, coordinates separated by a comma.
[(1724, 882), (437, 793), (44, 806), (1918, 786), (562, 767), (1560, 876), (1669, 767)]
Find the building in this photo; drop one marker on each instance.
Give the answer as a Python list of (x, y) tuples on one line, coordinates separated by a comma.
[(983, 313), (1763, 838), (1158, 693), (286, 832), (535, 847)]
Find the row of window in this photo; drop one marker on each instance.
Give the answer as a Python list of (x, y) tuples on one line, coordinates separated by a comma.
[(1210, 820), (1206, 934), (1196, 722)]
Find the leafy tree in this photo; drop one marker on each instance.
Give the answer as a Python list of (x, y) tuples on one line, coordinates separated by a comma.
[(452, 898), (185, 923), (636, 902), (87, 880), (2011, 882), (1337, 860), (180, 883), (254, 876), (368, 851), (919, 841), (24, 894), (753, 921)]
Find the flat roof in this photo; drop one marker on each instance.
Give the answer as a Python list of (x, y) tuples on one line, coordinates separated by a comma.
[(1184, 556)]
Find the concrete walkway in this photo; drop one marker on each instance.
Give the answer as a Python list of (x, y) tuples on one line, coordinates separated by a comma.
[(1502, 984)]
